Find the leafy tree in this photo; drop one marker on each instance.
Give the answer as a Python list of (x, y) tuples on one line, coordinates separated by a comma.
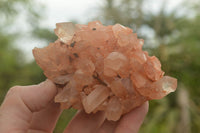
[(13, 68), (178, 49), (124, 12)]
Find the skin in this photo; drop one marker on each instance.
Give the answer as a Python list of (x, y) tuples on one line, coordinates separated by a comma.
[(31, 109)]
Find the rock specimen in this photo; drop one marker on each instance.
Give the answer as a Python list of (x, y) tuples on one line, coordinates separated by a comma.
[(102, 68)]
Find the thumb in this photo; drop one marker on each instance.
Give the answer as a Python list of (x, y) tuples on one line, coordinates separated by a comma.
[(20, 102)]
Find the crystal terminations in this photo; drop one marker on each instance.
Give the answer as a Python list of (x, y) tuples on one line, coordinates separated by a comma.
[(102, 68)]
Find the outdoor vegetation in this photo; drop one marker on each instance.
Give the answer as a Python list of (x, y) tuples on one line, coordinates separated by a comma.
[(172, 35)]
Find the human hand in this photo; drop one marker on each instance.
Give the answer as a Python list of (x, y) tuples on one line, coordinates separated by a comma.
[(94, 123), (31, 109)]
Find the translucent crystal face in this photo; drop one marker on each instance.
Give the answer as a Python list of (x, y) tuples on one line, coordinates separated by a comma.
[(167, 87), (102, 68), (65, 31), (95, 98)]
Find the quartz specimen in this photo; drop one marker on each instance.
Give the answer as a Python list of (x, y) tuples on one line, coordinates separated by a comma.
[(102, 68)]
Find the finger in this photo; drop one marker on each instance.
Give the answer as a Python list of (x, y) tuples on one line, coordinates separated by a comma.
[(131, 122), (85, 123), (20, 103), (107, 127), (36, 97), (45, 120)]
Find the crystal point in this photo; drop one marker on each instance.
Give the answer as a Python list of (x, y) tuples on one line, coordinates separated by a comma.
[(102, 68)]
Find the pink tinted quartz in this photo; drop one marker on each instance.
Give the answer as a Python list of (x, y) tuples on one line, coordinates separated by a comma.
[(102, 68)]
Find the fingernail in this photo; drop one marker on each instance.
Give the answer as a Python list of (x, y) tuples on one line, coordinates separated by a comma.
[(47, 82)]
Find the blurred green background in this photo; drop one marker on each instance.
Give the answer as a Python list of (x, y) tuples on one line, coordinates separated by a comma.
[(172, 33)]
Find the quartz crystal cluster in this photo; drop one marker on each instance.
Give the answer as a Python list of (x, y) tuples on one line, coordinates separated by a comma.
[(102, 68)]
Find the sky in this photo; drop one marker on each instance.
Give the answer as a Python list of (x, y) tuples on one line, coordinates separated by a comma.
[(68, 10), (83, 10)]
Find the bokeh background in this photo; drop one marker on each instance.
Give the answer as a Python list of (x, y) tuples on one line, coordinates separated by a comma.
[(171, 30)]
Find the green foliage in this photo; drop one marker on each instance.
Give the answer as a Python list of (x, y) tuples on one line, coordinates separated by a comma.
[(44, 34), (162, 23), (8, 8), (8, 63), (124, 12), (179, 45), (13, 68), (65, 118), (178, 37)]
